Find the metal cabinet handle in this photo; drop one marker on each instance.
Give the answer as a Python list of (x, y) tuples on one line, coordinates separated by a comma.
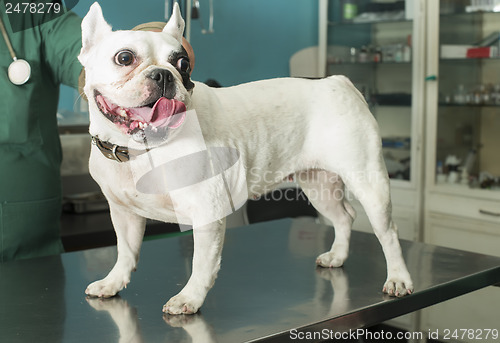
[(489, 213)]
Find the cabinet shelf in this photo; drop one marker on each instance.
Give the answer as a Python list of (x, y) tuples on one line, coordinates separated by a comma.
[(398, 148), (369, 63), (465, 191), (476, 59), (374, 22), (467, 14), (391, 99), (468, 105)]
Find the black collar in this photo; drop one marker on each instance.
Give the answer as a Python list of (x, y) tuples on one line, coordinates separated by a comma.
[(112, 151)]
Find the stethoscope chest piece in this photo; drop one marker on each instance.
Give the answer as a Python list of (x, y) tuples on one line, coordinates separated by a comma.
[(19, 72)]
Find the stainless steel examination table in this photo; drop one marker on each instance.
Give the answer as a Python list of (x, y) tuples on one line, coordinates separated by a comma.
[(267, 288)]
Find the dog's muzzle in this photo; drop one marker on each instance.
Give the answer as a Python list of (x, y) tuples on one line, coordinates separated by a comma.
[(148, 120)]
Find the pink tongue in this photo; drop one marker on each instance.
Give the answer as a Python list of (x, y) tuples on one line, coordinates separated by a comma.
[(161, 114)]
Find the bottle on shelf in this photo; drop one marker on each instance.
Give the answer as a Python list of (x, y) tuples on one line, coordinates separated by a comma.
[(363, 54), (349, 9), (377, 55), (460, 95)]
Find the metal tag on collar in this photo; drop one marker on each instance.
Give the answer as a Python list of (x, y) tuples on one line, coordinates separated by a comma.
[(113, 152)]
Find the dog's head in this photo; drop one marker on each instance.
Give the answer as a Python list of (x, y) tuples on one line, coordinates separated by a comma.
[(137, 83)]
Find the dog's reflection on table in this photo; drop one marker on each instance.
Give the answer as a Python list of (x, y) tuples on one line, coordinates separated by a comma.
[(340, 286), (124, 316), (194, 325), (196, 329), (331, 296)]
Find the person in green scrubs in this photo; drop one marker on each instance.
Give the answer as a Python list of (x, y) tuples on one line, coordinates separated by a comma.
[(30, 149)]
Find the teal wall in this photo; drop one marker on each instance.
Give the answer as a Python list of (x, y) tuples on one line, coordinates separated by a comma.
[(253, 39)]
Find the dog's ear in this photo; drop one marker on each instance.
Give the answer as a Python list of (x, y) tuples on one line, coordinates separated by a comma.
[(175, 25), (94, 27)]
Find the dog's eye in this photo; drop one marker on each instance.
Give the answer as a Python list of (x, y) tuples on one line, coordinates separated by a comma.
[(183, 64), (124, 58)]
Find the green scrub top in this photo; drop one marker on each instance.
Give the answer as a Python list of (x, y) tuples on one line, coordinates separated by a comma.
[(30, 150)]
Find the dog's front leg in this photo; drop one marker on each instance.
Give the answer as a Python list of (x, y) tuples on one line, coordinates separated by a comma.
[(208, 241), (129, 229)]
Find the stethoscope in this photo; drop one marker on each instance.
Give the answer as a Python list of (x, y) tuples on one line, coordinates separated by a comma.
[(19, 70)]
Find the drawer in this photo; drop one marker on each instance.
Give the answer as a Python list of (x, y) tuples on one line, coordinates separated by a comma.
[(484, 210), (464, 234)]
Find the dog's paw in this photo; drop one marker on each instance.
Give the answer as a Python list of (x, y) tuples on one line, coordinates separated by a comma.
[(398, 286), (182, 304), (330, 260), (105, 288)]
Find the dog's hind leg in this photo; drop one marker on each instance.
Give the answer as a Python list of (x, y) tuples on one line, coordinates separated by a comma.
[(129, 230), (372, 189), (325, 191)]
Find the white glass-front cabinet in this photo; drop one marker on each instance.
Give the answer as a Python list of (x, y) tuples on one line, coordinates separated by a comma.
[(462, 188), (430, 71), (379, 46), (463, 115)]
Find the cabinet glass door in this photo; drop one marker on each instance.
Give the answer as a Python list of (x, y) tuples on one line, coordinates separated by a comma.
[(467, 141), (371, 42)]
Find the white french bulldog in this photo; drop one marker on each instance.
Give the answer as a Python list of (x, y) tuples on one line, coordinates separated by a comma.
[(149, 122)]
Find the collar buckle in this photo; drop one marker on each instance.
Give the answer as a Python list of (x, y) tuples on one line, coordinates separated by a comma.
[(111, 151)]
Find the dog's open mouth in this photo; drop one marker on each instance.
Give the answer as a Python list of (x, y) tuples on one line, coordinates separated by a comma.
[(162, 114)]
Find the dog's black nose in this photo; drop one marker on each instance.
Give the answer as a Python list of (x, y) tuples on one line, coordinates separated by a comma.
[(162, 76)]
